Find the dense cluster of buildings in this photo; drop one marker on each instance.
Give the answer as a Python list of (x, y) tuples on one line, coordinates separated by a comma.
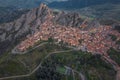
[(95, 40)]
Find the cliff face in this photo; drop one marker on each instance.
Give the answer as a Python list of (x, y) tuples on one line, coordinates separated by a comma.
[(69, 19)]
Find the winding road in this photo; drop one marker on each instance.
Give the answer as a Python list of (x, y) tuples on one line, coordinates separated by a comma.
[(15, 51), (82, 77), (29, 74), (118, 74), (115, 66)]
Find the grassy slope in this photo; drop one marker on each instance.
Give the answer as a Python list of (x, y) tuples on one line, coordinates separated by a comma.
[(115, 55), (22, 64), (92, 67)]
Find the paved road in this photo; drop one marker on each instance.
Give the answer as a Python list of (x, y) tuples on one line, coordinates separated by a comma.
[(112, 62), (115, 66), (29, 74), (46, 58), (118, 74), (14, 51), (73, 75), (82, 77)]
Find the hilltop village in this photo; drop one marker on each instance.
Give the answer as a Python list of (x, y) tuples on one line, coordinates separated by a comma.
[(97, 40), (94, 40)]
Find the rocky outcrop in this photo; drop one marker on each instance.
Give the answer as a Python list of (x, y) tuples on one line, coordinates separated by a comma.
[(9, 14), (27, 24), (69, 19)]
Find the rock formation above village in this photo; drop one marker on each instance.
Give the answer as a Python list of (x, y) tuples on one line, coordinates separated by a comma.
[(33, 21), (30, 22)]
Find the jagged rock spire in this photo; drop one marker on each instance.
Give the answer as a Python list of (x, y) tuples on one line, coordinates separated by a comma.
[(43, 10)]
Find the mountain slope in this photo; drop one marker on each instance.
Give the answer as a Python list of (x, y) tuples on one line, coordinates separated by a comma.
[(106, 13), (8, 14), (77, 4)]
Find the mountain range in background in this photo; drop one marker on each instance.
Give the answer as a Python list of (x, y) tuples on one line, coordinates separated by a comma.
[(68, 4), (103, 9), (77, 4), (13, 9), (25, 3)]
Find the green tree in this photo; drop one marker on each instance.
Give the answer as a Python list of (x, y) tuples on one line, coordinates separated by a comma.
[(113, 37), (50, 40)]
